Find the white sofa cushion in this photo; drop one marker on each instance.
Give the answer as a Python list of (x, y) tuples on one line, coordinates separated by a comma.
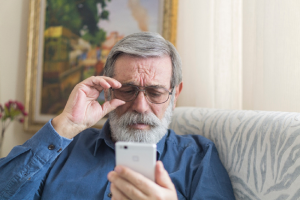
[(259, 149)]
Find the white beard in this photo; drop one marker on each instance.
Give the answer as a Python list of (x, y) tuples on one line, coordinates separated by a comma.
[(158, 128)]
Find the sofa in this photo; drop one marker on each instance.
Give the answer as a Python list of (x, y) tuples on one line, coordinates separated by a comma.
[(259, 149)]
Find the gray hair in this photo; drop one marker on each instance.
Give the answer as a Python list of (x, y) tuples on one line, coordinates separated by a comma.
[(145, 44)]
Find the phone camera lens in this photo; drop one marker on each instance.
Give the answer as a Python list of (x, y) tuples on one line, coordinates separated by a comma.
[(125, 147)]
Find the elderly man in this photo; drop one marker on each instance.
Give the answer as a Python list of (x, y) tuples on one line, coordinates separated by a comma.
[(68, 160)]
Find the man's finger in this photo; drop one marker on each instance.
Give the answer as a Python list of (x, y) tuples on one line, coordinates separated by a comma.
[(136, 179), (162, 177), (111, 105), (98, 87), (116, 193), (103, 81), (124, 186)]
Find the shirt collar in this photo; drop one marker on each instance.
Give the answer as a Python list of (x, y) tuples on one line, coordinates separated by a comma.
[(161, 145), (105, 136)]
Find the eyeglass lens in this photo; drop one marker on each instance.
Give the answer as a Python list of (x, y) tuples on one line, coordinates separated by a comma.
[(153, 94)]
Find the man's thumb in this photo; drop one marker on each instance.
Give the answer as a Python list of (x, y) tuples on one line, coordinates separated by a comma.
[(111, 105), (162, 177)]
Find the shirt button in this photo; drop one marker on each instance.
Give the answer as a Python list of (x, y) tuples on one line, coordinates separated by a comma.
[(51, 147), (109, 195)]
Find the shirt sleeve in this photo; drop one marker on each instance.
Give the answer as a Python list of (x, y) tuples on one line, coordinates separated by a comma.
[(23, 171)]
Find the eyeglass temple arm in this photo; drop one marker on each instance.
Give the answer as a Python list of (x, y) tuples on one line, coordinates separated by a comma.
[(171, 91)]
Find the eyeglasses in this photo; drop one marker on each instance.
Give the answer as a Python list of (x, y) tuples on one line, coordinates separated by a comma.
[(154, 94)]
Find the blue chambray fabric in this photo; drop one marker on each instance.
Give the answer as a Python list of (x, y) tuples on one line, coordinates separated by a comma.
[(78, 168)]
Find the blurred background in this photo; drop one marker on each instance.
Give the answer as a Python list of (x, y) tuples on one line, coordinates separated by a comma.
[(236, 54)]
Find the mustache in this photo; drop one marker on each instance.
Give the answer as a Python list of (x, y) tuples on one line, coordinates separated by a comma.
[(131, 118)]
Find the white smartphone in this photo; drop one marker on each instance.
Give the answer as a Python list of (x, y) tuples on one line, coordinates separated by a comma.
[(140, 157)]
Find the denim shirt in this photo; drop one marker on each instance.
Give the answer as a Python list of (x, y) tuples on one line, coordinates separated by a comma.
[(49, 166)]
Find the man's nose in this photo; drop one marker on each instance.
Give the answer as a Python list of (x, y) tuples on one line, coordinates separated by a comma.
[(140, 104)]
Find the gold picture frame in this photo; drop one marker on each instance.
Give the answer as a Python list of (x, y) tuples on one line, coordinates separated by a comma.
[(35, 52)]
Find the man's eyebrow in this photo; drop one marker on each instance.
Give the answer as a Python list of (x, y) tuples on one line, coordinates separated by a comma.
[(128, 83), (132, 83)]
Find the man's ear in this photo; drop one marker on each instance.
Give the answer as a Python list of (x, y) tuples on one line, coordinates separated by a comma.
[(177, 92)]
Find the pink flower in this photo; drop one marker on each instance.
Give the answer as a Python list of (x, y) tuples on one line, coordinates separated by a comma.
[(13, 110), (24, 113), (19, 105)]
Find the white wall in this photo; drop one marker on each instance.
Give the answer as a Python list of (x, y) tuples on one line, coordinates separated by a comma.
[(194, 38), (209, 40), (271, 55), (13, 42), (270, 52)]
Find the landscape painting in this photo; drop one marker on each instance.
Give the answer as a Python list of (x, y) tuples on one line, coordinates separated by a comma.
[(69, 41), (79, 35)]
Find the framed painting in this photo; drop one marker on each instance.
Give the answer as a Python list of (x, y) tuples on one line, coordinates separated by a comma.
[(69, 40)]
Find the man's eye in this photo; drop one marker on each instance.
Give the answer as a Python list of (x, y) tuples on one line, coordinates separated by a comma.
[(154, 94), (128, 91)]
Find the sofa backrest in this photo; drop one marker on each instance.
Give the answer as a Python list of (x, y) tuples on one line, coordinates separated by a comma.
[(259, 149)]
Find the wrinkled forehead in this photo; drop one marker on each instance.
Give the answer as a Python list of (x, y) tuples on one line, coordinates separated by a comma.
[(143, 71)]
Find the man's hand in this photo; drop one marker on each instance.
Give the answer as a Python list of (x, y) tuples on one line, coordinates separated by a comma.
[(127, 184), (82, 109)]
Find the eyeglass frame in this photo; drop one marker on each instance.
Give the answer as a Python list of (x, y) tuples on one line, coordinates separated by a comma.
[(144, 91)]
